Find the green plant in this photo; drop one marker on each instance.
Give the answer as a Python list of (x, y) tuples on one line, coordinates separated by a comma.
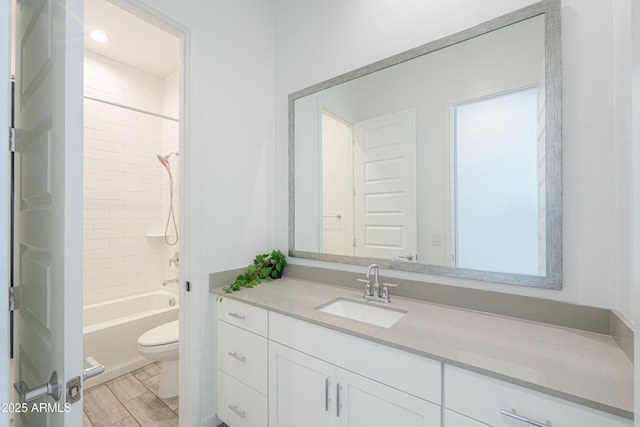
[(265, 267)]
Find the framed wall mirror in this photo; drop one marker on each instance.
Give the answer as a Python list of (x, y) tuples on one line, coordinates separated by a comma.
[(445, 159)]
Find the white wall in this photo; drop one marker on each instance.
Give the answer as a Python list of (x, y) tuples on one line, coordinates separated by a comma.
[(229, 129), (123, 181), (319, 40)]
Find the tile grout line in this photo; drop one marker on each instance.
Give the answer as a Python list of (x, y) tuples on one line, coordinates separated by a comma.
[(121, 403), (116, 397)]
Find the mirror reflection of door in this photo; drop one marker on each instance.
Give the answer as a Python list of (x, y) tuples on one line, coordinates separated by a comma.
[(385, 186), (337, 185)]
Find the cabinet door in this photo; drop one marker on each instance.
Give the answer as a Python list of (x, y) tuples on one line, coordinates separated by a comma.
[(366, 403), (300, 389)]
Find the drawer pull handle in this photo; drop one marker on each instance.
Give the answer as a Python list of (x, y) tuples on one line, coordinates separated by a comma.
[(237, 410), (238, 316), (238, 356), (512, 414), (338, 405)]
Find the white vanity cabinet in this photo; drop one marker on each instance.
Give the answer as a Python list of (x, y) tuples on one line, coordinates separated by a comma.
[(242, 364), (277, 370), (472, 400), (301, 388), (305, 391), (453, 419), (363, 402), (319, 377)]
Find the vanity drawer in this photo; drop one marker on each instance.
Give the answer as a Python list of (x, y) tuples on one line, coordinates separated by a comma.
[(243, 355), (239, 405), (453, 419), (482, 398), (246, 316)]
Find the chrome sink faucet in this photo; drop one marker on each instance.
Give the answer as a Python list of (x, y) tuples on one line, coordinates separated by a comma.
[(376, 278), (373, 291)]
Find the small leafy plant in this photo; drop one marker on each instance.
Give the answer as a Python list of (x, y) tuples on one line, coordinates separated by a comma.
[(265, 267)]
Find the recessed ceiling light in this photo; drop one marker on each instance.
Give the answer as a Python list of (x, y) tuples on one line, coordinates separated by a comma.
[(98, 36)]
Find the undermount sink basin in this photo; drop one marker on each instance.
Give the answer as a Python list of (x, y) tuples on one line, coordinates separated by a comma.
[(385, 317)]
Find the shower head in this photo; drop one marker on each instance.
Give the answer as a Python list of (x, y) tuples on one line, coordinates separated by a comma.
[(165, 159)]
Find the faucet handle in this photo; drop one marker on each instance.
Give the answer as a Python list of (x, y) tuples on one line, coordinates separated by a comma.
[(385, 291), (175, 259), (367, 288)]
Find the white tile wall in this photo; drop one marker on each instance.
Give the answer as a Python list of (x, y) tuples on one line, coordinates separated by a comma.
[(123, 181), (170, 143)]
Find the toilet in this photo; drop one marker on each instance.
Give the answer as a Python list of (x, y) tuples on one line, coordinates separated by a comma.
[(161, 343)]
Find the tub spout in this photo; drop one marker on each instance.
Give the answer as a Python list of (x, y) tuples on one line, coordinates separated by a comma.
[(174, 280)]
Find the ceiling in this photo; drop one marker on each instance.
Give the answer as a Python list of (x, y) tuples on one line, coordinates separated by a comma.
[(132, 41)]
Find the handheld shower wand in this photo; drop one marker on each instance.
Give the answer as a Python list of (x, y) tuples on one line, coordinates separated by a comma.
[(171, 216)]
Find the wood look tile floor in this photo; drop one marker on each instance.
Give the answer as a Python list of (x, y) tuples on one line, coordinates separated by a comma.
[(130, 401)]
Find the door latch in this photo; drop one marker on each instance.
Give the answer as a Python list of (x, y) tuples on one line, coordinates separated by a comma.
[(73, 390), (12, 299)]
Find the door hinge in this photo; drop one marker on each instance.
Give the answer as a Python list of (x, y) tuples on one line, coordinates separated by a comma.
[(187, 286), (354, 243), (12, 299), (12, 140)]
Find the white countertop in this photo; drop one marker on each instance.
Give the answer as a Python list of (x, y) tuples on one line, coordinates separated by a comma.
[(585, 367)]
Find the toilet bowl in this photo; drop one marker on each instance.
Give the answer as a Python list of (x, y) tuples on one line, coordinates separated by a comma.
[(161, 343)]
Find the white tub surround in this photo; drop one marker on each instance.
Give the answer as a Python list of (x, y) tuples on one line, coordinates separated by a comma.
[(581, 367), (112, 329)]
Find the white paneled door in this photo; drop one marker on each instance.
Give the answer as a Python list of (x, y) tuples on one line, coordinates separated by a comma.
[(385, 186), (48, 212)]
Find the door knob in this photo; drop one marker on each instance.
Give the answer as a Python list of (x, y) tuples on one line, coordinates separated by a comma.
[(95, 368), (408, 257), (52, 388)]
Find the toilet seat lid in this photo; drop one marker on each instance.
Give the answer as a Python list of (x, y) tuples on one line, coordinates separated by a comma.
[(164, 334)]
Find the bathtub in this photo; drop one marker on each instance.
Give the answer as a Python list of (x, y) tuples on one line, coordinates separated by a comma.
[(111, 330)]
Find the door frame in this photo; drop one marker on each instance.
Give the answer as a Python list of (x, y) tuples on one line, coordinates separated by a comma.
[(189, 387), (189, 367), (5, 194)]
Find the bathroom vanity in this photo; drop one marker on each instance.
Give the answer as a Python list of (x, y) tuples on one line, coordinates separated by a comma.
[(296, 352), (284, 362)]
